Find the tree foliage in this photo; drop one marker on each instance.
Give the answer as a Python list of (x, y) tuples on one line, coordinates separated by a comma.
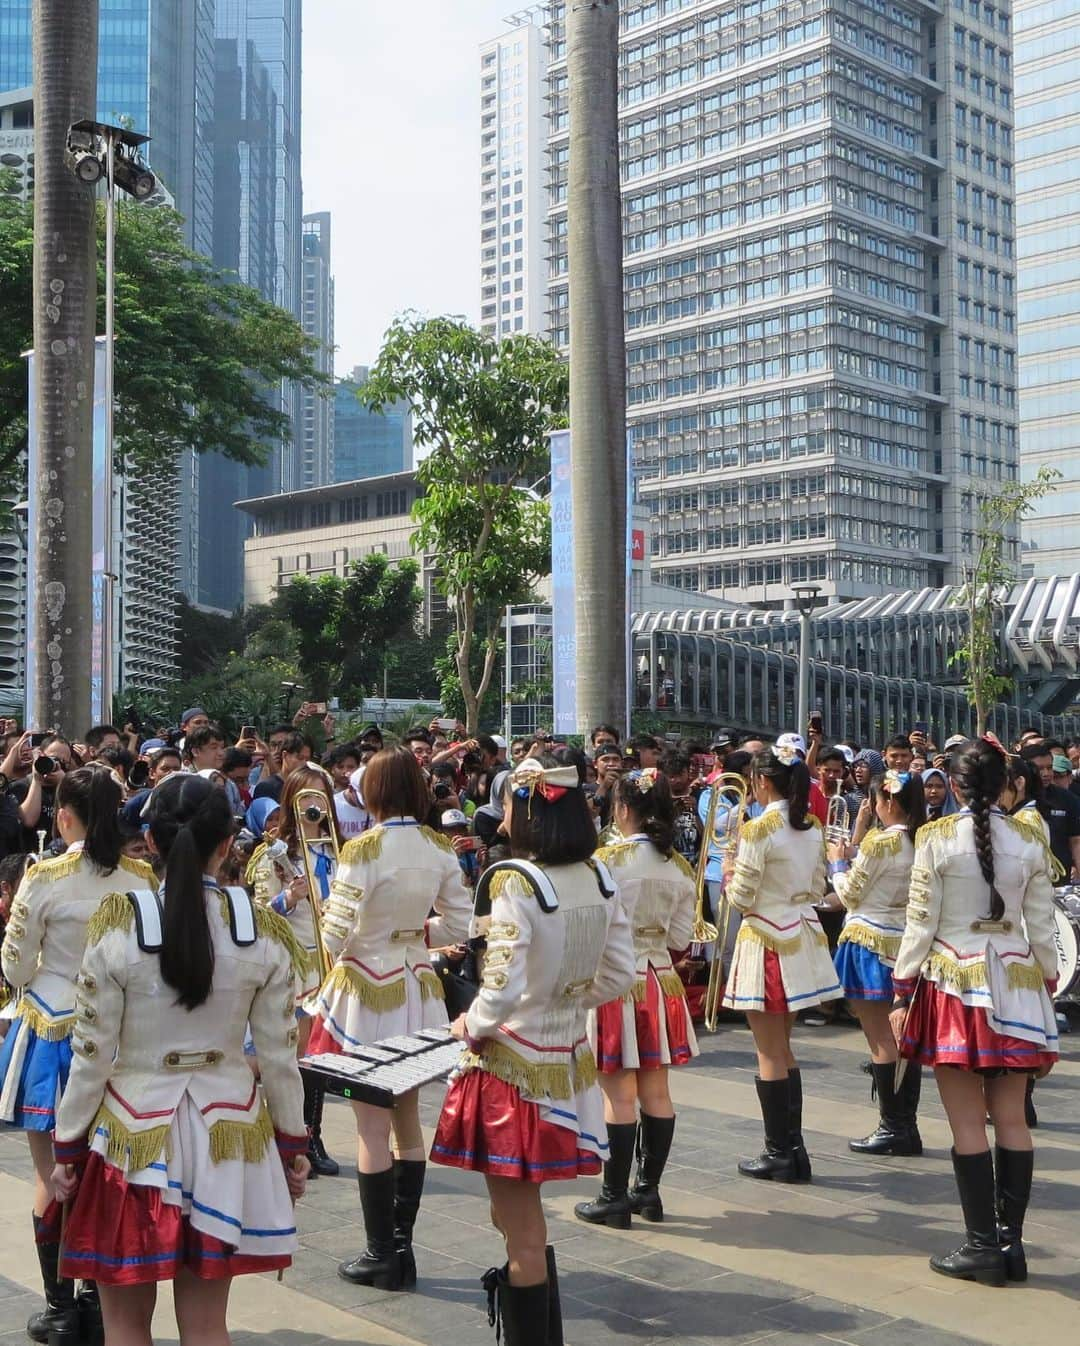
[(986, 585), (343, 626), (484, 408), (197, 353)]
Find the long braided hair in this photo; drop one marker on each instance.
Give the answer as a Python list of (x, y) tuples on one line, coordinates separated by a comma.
[(980, 772)]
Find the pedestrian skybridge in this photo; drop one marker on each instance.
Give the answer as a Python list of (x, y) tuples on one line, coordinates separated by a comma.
[(877, 665)]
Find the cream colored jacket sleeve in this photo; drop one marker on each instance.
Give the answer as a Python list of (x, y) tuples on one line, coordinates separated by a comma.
[(99, 1012), (25, 932), (617, 969), (273, 1027), (505, 976), (1038, 911), (923, 913)]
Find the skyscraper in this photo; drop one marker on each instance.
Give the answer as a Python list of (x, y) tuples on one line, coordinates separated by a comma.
[(818, 246), (315, 463), (369, 443), (513, 179), (1047, 44)]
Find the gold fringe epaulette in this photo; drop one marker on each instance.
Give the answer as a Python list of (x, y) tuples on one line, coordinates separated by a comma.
[(508, 882), (140, 869), (885, 946), (272, 926), (877, 843), (750, 934), (682, 864), (940, 827), (757, 829), (48, 1030), (1028, 823), (251, 873), (114, 913), (381, 999), (618, 853), (535, 1079), (439, 839), (367, 846), (59, 867)]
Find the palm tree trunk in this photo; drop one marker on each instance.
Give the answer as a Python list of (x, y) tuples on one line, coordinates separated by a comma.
[(65, 277), (597, 362)]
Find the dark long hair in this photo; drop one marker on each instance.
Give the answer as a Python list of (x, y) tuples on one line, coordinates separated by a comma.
[(652, 806), (911, 799), (551, 832), (793, 783), (94, 797), (189, 819), (980, 771), (1022, 769)]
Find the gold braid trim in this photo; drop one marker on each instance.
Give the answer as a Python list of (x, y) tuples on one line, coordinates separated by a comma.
[(618, 853), (381, 999), (636, 993), (682, 864), (506, 882), (251, 874), (534, 1078), (881, 843), (1026, 977), (115, 913), (439, 839), (59, 867), (133, 1150), (885, 946), (140, 869), (750, 934), (1036, 831), (671, 984), (431, 987), (48, 1030), (367, 846), (969, 977), (941, 827), (757, 829), (248, 1141)]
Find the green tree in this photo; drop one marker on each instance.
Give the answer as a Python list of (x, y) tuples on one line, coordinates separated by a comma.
[(986, 585), (197, 353), (484, 409), (204, 637), (343, 625)]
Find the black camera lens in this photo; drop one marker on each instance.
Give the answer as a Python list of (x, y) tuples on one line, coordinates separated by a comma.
[(443, 791), (45, 766), (139, 775)]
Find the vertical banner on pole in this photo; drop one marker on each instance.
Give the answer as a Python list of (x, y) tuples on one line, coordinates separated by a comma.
[(563, 634), (33, 526)]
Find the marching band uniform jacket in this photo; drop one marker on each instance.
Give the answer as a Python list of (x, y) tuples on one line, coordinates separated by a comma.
[(875, 890)]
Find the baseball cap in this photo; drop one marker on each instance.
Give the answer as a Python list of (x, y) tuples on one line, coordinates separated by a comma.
[(357, 779), (721, 739), (498, 740), (849, 753), (190, 714), (795, 741), (454, 818), (955, 740), (153, 745)]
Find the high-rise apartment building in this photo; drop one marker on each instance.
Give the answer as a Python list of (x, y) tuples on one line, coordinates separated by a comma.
[(1047, 55), (818, 240), (513, 179), (369, 443), (316, 448)]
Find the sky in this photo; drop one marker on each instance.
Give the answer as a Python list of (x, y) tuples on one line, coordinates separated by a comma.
[(391, 147)]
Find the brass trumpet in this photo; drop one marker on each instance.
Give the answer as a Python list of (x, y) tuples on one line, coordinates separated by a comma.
[(838, 822), (732, 789), (310, 806)]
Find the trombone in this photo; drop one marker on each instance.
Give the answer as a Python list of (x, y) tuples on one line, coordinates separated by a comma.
[(733, 789), (314, 811)]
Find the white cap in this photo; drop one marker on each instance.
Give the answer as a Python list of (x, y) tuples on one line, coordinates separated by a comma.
[(454, 818), (498, 740), (849, 753), (795, 741), (356, 780)]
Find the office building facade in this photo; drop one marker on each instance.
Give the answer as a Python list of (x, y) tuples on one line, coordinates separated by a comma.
[(315, 465), (513, 179), (369, 443), (1047, 54), (820, 315)]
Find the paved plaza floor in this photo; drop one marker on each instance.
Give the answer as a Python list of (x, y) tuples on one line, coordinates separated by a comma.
[(736, 1261)]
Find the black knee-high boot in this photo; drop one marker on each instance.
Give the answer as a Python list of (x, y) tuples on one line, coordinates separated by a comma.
[(518, 1313), (59, 1324), (654, 1145), (775, 1161), (379, 1264), (91, 1326), (408, 1189), (612, 1206), (979, 1257), (800, 1160), (897, 1133), (322, 1166), (1013, 1171), (555, 1335)]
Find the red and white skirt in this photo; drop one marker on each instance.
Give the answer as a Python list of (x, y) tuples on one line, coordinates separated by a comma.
[(643, 1034), (487, 1126), (941, 1030)]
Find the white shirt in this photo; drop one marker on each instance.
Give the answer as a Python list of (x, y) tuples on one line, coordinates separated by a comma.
[(352, 822)]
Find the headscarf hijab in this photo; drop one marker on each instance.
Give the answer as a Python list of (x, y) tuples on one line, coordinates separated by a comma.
[(950, 805), (258, 813)]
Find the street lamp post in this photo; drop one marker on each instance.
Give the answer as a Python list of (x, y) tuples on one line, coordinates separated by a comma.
[(805, 600)]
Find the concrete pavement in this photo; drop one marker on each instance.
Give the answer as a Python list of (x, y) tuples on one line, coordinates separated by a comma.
[(840, 1261)]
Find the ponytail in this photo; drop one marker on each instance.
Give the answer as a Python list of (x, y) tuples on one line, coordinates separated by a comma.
[(980, 772), (647, 794), (189, 819), (92, 794), (792, 781), (911, 798)]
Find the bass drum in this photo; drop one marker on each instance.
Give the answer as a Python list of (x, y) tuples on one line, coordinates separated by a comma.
[(1067, 942)]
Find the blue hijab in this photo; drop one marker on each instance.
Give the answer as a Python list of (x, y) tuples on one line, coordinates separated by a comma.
[(950, 805), (259, 811)]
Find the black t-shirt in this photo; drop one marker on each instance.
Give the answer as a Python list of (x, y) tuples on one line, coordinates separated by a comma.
[(11, 828), (270, 788), (19, 790), (1061, 809)]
